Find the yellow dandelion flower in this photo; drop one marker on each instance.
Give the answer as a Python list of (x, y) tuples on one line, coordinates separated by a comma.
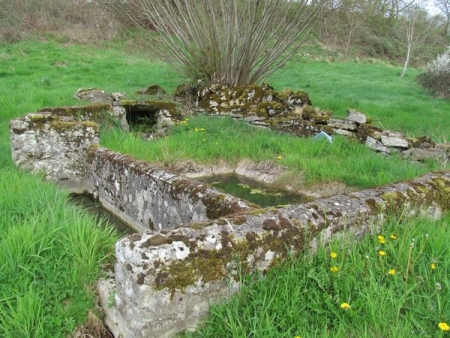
[(444, 326), (433, 266), (392, 236), (334, 269), (345, 306), (333, 255), (382, 253), (392, 272), (381, 239)]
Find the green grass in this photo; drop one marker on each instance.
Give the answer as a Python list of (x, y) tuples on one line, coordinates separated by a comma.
[(211, 139), (404, 293), (395, 103), (50, 252), (50, 258)]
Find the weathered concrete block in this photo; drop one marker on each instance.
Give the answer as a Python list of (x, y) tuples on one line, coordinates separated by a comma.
[(55, 146)]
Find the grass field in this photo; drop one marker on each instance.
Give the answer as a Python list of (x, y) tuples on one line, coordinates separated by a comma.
[(51, 253)]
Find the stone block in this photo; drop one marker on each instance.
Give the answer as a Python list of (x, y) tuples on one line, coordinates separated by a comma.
[(166, 281), (149, 198), (344, 132), (376, 145), (342, 124), (422, 154), (356, 116), (394, 141)]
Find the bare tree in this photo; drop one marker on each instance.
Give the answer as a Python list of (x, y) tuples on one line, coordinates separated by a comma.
[(444, 7), (224, 41), (413, 30)]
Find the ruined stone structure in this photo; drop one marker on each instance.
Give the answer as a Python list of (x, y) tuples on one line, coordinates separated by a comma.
[(165, 282), (193, 236), (293, 113)]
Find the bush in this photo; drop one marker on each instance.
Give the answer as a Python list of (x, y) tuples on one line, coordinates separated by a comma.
[(437, 76), (230, 42)]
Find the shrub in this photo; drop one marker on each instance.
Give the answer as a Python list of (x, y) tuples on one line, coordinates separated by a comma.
[(231, 42), (437, 76)]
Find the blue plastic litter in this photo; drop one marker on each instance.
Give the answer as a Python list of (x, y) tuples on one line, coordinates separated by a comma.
[(323, 134)]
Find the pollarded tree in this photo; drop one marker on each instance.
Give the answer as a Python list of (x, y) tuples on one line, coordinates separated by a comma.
[(224, 41)]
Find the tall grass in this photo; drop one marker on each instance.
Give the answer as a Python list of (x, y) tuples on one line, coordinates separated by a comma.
[(51, 256)]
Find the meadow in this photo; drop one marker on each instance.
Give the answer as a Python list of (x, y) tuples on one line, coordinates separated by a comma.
[(51, 252)]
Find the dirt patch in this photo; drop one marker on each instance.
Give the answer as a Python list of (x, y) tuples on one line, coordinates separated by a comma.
[(94, 327)]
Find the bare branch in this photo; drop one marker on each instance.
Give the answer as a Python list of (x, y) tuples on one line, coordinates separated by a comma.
[(226, 41)]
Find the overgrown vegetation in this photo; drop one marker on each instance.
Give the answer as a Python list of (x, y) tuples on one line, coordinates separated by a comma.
[(437, 76), (392, 283), (79, 21), (345, 29), (50, 259)]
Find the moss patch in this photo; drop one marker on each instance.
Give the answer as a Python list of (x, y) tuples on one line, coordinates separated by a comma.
[(205, 266)]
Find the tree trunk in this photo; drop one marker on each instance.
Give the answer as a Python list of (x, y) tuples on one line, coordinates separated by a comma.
[(408, 56)]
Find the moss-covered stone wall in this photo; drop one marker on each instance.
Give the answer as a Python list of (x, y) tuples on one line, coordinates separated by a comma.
[(55, 146), (152, 199), (166, 281)]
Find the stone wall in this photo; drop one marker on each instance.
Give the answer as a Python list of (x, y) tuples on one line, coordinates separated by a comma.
[(63, 145), (55, 146), (292, 112), (150, 198), (166, 281)]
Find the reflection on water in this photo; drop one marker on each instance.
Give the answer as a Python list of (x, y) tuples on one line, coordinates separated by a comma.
[(92, 206), (253, 191)]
